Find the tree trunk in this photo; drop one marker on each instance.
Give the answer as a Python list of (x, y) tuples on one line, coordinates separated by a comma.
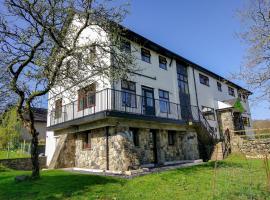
[(34, 155)]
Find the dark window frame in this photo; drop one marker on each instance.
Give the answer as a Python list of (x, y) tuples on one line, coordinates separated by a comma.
[(171, 138), (135, 136), (145, 55), (87, 97), (87, 139), (162, 62), (231, 91), (246, 121), (219, 86), (204, 80), (209, 114), (128, 93), (163, 98), (182, 77)]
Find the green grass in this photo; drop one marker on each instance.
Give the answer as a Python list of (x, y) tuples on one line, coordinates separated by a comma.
[(236, 178), (13, 154)]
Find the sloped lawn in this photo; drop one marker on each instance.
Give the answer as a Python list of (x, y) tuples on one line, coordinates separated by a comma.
[(234, 178), (12, 154)]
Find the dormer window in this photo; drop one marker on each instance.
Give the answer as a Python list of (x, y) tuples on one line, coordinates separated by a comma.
[(162, 62), (231, 91), (146, 55)]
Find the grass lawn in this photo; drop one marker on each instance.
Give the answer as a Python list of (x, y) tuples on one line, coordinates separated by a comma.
[(235, 178), (12, 154)]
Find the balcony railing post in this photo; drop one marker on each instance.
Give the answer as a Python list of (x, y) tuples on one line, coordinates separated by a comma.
[(83, 108), (107, 98), (65, 111), (199, 115), (141, 105), (113, 99), (50, 118), (73, 113), (167, 106), (177, 110)]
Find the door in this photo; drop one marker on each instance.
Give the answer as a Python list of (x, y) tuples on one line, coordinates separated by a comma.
[(154, 136), (148, 101)]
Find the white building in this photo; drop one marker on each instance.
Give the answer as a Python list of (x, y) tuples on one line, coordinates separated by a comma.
[(169, 111)]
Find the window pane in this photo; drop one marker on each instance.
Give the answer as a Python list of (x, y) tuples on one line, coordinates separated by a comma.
[(164, 106), (162, 62)]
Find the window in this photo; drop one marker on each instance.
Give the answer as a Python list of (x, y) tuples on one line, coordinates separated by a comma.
[(208, 113), (87, 97), (164, 101), (204, 80), (240, 95), (146, 55), (162, 62), (244, 98), (125, 46), (58, 108), (182, 77), (87, 141), (128, 94), (135, 134), (219, 86), (246, 121), (231, 91), (171, 137)]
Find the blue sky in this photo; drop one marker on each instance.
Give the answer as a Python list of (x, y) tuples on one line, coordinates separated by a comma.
[(201, 31)]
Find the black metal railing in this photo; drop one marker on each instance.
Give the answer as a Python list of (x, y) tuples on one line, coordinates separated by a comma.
[(128, 102)]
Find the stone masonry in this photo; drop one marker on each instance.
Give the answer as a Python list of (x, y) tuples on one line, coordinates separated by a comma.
[(123, 154)]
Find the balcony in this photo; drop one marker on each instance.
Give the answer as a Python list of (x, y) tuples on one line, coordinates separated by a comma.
[(109, 102)]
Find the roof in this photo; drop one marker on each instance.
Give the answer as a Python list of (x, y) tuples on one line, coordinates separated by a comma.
[(40, 115), (131, 35)]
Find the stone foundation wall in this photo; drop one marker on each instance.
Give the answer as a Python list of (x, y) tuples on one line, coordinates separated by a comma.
[(22, 163), (67, 153), (123, 154), (95, 157), (190, 146)]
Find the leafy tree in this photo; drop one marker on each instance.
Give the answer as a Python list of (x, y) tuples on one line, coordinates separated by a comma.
[(41, 47), (9, 128), (256, 34)]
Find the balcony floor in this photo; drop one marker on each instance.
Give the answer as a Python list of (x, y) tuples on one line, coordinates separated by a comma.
[(107, 114)]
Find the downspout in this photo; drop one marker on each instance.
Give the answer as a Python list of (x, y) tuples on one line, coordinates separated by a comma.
[(197, 101), (107, 148)]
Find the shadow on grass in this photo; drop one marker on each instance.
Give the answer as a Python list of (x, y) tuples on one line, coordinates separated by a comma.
[(52, 185)]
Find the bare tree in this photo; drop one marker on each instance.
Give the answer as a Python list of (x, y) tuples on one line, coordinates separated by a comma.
[(44, 44), (256, 34)]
